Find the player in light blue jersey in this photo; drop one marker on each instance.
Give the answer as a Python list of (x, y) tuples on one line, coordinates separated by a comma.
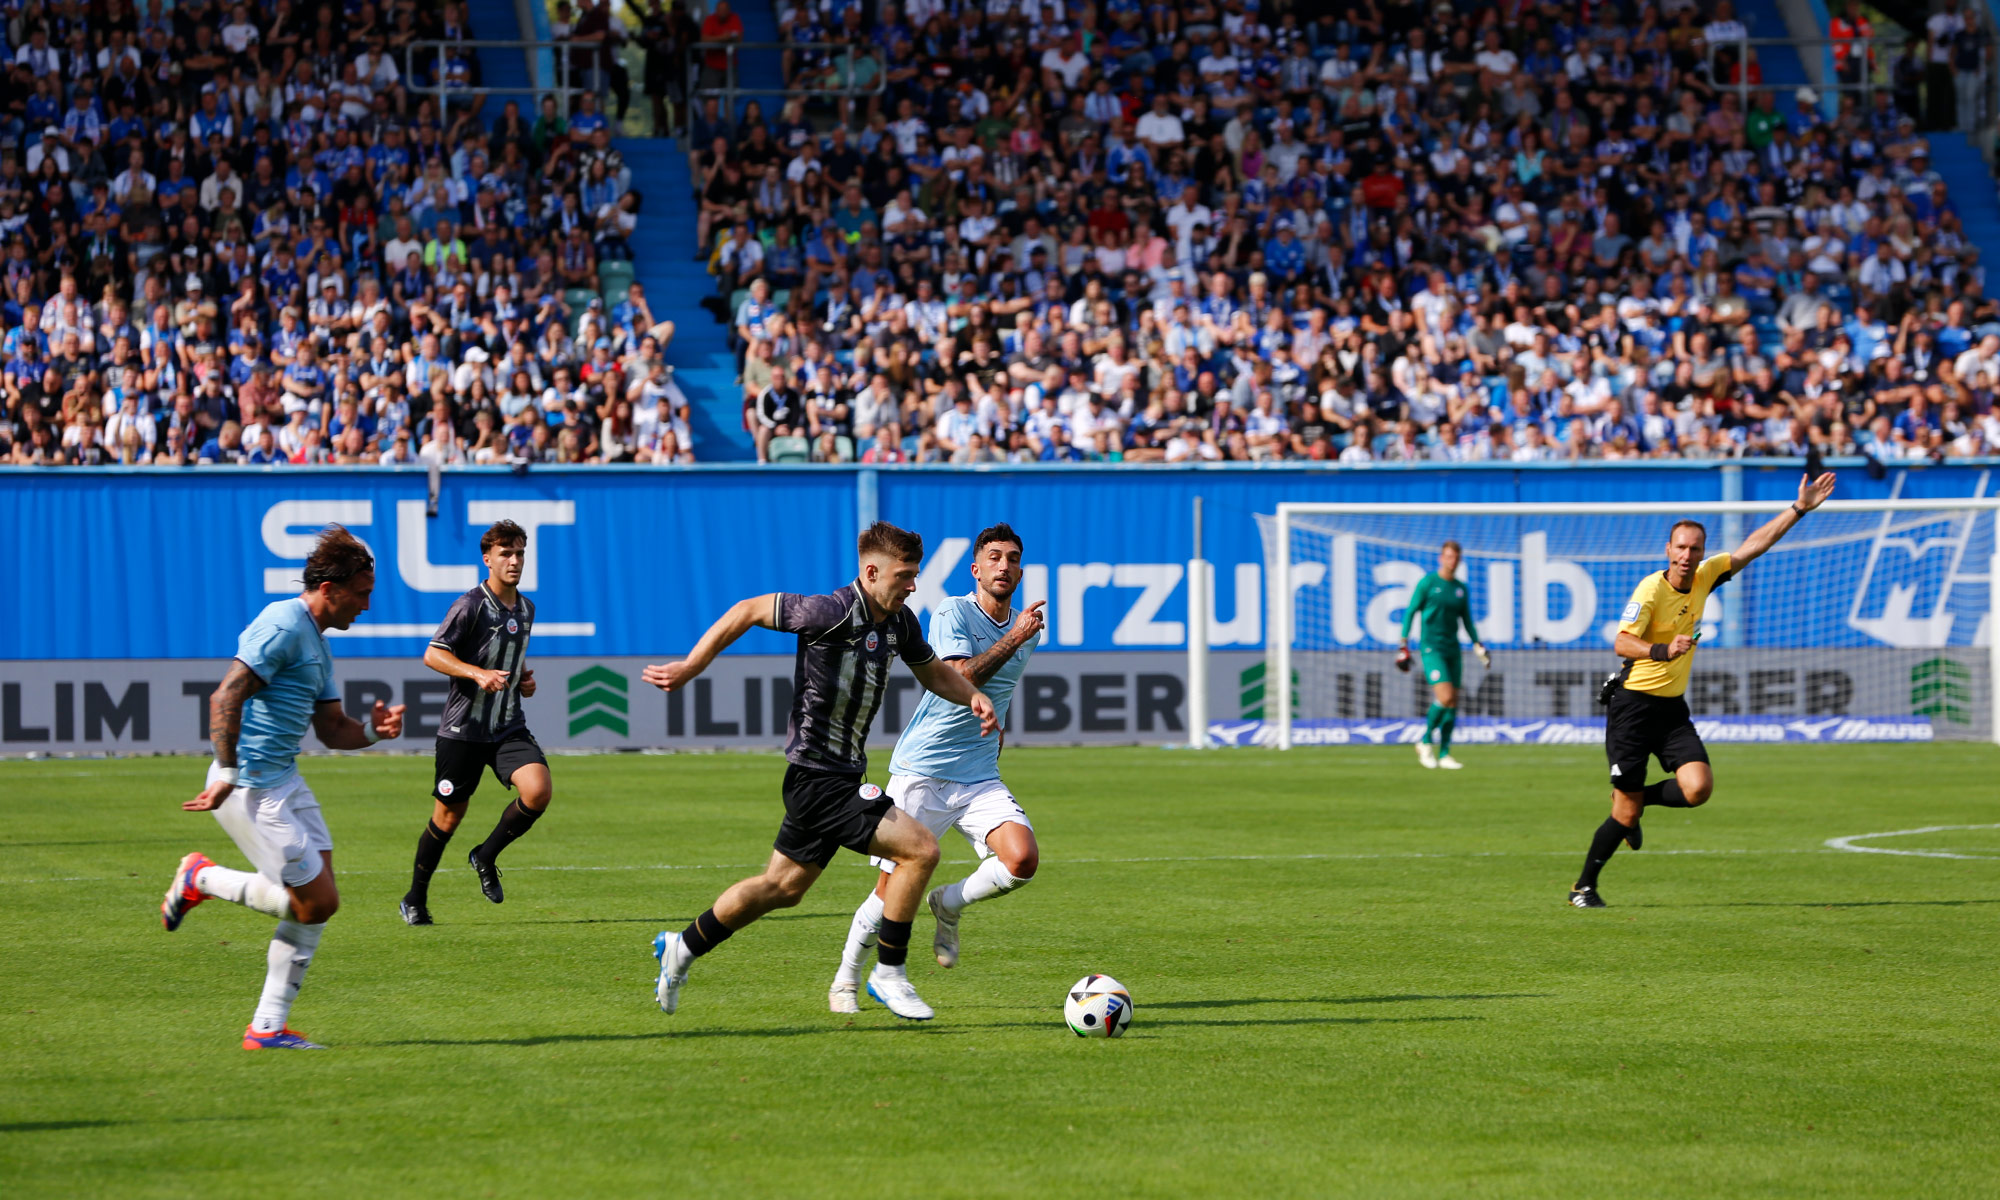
[(280, 684), (945, 774)]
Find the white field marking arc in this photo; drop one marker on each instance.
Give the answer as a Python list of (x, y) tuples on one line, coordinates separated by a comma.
[(1058, 862), (1848, 843)]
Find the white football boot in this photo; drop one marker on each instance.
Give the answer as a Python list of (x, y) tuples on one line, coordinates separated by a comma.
[(892, 988), (944, 943), (1450, 764), (674, 962), (1427, 756), (843, 998)]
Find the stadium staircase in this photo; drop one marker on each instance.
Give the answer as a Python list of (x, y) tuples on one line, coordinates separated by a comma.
[(1969, 182), (1784, 71), (676, 282), (499, 20), (663, 253)]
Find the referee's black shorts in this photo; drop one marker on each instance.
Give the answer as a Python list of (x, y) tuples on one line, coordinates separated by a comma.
[(460, 763), (1640, 725), (825, 810)]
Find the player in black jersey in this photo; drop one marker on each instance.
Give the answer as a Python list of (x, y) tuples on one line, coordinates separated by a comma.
[(482, 646), (846, 641)]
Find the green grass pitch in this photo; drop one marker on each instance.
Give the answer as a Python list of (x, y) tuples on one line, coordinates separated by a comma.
[(1352, 978)]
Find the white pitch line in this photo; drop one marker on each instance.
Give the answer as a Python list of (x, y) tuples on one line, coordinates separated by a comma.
[(1848, 843), (1058, 862)]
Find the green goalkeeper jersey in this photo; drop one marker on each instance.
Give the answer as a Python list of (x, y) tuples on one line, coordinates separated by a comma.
[(1443, 603)]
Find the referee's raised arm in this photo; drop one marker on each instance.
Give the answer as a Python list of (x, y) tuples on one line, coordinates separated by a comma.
[(1812, 494)]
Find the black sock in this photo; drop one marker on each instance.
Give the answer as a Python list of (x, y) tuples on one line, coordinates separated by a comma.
[(515, 820), (892, 943), (1666, 794), (1603, 845), (705, 933), (430, 850)]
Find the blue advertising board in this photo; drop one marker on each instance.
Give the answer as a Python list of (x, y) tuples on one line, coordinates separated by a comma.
[(155, 564)]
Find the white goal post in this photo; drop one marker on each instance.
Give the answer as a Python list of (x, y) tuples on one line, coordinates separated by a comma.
[(1872, 620)]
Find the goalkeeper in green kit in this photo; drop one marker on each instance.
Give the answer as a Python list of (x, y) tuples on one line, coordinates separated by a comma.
[(1441, 602)]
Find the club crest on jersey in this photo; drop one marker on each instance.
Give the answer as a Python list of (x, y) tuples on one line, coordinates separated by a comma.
[(873, 641), (868, 790), (513, 626)]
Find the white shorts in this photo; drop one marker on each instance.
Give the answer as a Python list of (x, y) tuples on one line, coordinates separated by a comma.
[(977, 809), (279, 829)]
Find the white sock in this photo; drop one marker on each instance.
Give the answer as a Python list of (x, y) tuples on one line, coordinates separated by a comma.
[(290, 954), (888, 972), (990, 879), (860, 939), (678, 958), (247, 888)]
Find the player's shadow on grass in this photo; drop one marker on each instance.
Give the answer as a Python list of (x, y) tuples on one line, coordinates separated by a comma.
[(668, 922), (555, 1039), (901, 1030), (1173, 1023), (106, 1122), (1237, 1002), (154, 841), (1822, 904)]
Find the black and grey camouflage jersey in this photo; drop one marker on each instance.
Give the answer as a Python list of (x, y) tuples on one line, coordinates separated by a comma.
[(483, 632), (842, 669)]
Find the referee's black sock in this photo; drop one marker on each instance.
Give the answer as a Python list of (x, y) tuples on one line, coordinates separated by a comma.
[(892, 943), (1666, 794), (430, 851), (1603, 845), (515, 820), (705, 933)]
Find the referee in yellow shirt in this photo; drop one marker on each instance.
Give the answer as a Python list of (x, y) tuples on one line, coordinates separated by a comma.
[(1647, 715)]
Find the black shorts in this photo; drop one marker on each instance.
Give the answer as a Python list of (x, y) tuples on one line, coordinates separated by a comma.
[(825, 810), (1639, 725), (460, 764)]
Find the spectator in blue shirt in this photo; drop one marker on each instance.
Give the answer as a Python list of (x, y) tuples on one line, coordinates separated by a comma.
[(1285, 256), (1058, 447)]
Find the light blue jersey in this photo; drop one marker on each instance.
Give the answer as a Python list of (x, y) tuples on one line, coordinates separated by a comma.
[(285, 648), (942, 741)]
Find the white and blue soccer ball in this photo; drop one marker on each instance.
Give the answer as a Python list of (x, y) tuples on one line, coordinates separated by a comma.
[(1098, 1006)]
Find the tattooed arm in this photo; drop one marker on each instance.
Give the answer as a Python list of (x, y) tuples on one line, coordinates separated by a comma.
[(1027, 626), (225, 722)]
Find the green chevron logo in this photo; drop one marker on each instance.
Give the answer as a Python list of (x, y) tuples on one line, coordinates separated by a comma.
[(1250, 692), (1938, 686), (597, 698)]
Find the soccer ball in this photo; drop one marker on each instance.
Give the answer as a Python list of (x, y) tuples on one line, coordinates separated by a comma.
[(1098, 1006)]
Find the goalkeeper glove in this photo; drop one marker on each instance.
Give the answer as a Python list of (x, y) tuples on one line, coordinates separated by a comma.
[(1403, 659), (1485, 659)]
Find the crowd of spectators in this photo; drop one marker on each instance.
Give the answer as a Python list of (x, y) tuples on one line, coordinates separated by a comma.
[(1353, 230), (249, 233)]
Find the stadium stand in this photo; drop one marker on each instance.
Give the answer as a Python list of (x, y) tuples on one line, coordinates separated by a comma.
[(1468, 196), (1188, 231), (249, 234)]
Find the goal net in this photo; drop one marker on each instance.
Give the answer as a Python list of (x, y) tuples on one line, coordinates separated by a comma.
[(1870, 621)]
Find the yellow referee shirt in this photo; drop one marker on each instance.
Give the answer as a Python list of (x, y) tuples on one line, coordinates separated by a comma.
[(1658, 612)]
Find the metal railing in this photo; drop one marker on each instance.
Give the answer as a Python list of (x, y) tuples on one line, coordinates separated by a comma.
[(1861, 70), (1745, 48), (723, 84), (549, 61)]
